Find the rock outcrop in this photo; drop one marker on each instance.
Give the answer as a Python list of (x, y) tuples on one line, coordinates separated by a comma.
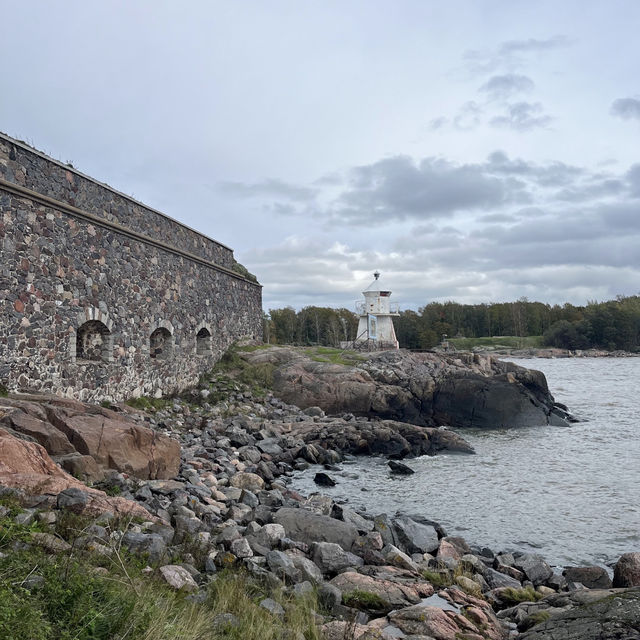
[(426, 389), (612, 614), (26, 466), (88, 439)]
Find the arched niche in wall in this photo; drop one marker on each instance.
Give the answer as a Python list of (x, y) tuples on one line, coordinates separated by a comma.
[(92, 341), (161, 341), (203, 340)]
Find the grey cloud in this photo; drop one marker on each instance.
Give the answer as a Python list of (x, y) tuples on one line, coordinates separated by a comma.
[(509, 54), (505, 86), (269, 187), (554, 174), (633, 177), (533, 45), (493, 218), (468, 117), (626, 108), (602, 188), (522, 116), (397, 188), (438, 123)]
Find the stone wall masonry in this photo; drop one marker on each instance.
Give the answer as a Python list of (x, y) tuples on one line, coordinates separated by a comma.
[(81, 299), (24, 166)]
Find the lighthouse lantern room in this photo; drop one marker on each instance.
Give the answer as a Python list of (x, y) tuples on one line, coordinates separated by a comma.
[(375, 326)]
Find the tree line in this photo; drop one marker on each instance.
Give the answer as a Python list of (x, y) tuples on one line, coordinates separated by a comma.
[(611, 325)]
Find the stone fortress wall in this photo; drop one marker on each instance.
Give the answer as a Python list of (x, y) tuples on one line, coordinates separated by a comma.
[(103, 298)]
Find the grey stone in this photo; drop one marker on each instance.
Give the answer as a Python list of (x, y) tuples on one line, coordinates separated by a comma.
[(272, 607), (308, 527), (495, 579), (178, 577), (270, 535), (307, 569), (150, 543), (626, 573), (534, 567), (331, 558), (73, 499), (302, 589), (590, 577), (329, 595), (415, 537), (241, 548), (282, 565)]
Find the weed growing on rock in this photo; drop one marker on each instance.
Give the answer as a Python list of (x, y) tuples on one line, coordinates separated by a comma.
[(526, 594), (439, 579), (365, 600)]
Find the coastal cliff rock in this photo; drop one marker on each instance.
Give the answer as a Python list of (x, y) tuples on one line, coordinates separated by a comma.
[(27, 466), (425, 389), (88, 438), (590, 615)]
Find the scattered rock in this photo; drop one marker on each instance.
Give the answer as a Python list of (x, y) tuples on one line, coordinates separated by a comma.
[(626, 573), (178, 577), (400, 468)]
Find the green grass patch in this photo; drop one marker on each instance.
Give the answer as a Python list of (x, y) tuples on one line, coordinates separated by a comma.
[(533, 619), (439, 579), (4, 392), (515, 596), (365, 600), (334, 356), (82, 596), (232, 370), (508, 342)]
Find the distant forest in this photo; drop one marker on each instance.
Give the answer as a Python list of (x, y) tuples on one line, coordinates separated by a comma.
[(608, 325)]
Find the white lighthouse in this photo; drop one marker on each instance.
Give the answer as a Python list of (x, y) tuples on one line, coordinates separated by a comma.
[(375, 327)]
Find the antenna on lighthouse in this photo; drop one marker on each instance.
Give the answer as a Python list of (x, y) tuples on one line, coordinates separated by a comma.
[(376, 274)]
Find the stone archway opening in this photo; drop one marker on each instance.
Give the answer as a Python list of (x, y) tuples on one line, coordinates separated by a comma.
[(93, 342), (161, 344), (203, 342)]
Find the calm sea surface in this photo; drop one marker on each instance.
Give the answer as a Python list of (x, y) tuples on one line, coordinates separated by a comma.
[(571, 494)]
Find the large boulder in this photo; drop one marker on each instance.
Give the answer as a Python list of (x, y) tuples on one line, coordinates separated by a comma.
[(68, 429), (590, 577), (27, 466), (331, 558), (534, 568), (626, 573), (389, 594), (414, 536), (611, 615), (426, 389), (309, 527), (116, 442)]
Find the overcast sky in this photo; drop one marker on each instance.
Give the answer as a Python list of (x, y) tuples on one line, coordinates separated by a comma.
[(470, 150)]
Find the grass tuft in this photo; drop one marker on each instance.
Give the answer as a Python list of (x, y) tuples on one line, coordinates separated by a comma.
[(83, 596), (364, 600), (526, 594)]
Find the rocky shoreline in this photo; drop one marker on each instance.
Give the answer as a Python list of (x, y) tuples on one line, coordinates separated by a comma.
[(552, 352), (213, 495)]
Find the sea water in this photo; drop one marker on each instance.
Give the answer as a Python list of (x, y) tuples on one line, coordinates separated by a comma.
[(571, 494)]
